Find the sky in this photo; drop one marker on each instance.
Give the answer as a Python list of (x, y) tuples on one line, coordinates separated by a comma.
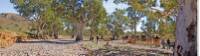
[(110, 6), (7, 7)]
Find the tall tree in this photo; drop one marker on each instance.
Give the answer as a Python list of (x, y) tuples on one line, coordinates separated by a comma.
[(186, 29), (97, 16), (80, 12), (116, 22), (134, 17)]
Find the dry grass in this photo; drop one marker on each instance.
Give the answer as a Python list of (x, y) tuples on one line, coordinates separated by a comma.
[(7, 39), (13, 22), (93, 45)]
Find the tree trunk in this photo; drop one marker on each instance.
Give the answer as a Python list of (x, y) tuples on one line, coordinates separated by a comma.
[(38, 33), (73, 30), (114, 35), (91, 35), (55, 31), (135, 28), (79, 30), (186, 29)]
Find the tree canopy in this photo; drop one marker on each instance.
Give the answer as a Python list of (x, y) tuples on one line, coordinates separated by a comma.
[(50, 16)]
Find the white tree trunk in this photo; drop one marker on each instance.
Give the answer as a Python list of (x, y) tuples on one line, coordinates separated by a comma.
[(186, 29)]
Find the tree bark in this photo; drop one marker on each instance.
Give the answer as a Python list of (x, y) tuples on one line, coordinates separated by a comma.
[(91, 35), (55, 31), (186, 29), (135, 28), (79, 30), (73, 30)]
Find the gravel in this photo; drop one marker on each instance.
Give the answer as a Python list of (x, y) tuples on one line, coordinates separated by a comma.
[(71, 48), (45, 48)]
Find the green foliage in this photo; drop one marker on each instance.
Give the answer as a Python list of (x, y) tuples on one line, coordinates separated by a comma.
[(169, 4), (42, 12), (155, 19), (167, 28), (117, 19), (97, 14), (49, 15), (134, 17)]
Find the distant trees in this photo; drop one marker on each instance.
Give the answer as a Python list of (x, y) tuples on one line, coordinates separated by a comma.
[(166, 28), (116, 22), (157, 13), (134, 17)]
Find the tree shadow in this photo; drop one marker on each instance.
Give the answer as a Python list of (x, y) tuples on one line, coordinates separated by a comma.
[(51, 41)]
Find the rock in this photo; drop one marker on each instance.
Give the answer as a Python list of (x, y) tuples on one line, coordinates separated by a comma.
[(43, 49), (126, 51)]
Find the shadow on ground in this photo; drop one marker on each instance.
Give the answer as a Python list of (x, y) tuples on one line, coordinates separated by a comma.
[(50, 41)]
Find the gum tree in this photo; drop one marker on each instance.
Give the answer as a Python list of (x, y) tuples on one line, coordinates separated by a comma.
[(42, 14), (80, 12), (186, 29)]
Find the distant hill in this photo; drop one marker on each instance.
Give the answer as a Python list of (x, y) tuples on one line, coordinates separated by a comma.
[(13, 22)]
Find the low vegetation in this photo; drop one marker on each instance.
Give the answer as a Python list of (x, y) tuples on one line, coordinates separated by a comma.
[(7, 39)]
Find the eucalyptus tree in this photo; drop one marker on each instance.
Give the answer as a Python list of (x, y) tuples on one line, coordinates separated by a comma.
[(97, 17), (116, 22), (42, 14), (134, 17), (186, 28), (80, 12)]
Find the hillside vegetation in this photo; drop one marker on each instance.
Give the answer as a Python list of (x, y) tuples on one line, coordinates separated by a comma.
[(13, 22)]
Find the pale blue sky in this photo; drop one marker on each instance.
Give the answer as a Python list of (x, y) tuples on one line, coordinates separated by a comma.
[(7, 7), (110, 6)]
